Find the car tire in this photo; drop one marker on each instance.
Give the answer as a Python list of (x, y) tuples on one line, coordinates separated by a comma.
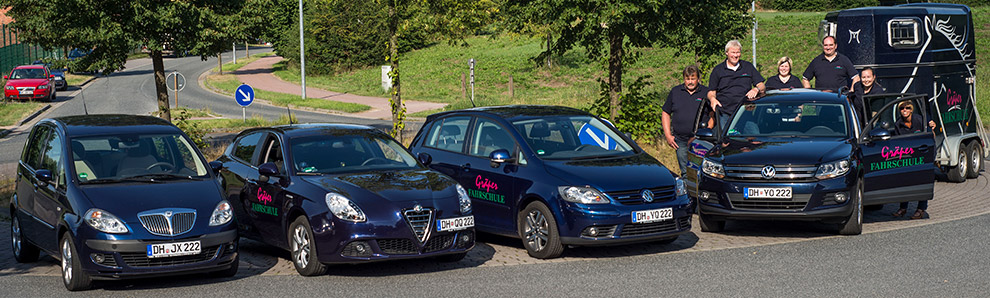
[(854, 224), (871, 208), (303, 249), (73, 277), (958, 172), (53, 96), (538, 231), (710, 225), (230, 272), (975, 160), (452, 257), (24, 251)]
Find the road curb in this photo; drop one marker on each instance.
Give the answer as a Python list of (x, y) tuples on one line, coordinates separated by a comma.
[(35, 114)]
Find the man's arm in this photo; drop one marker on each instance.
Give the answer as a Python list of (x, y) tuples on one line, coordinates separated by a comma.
[(713, 100), (667, 135), (809, 73)]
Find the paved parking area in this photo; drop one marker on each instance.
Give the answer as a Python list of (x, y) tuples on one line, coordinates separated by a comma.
[(952, 202)]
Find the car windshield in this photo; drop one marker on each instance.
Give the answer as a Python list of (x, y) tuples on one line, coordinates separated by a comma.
[(27, 73), (789, 120), (571, 137), (115, 158), (326, 154)]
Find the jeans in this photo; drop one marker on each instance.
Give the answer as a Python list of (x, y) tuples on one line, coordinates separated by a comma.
[(723, 120), (682, 154), (923, 205)]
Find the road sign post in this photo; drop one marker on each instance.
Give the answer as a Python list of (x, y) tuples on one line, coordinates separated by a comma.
[(471, 65), (244, 96), (178, 83)]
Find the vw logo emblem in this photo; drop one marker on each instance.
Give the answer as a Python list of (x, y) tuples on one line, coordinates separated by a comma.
[(647, 195), (768, 172), (168, 213), (418, 208)]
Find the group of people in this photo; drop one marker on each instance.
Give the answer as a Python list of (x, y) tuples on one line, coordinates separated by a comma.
[(735, 81)]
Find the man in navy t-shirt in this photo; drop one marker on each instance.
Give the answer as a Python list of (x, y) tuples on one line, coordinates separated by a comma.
[(831, 70), (733, 81), (679, 112)]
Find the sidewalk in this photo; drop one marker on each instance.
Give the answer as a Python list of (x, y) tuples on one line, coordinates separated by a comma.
[(259, 75)]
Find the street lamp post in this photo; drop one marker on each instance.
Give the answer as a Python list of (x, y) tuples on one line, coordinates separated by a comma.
[(302, 51)]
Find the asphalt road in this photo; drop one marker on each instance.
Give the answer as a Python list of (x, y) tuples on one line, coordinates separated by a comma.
[(132, 91), (941, 260)]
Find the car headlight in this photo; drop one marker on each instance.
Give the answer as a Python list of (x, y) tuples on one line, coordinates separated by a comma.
[(58, 78), (582, 194), (463, 199), (9, 87), (43, 86), (222, 214), (104, 221), (713, 169), (679, 188), (343, 208), (833, 169)]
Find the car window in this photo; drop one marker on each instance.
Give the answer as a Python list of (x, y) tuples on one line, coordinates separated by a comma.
[(448, 134), (349, 153), (28, 73), (566, 137), (789, 119), (244, 147), (53, 155), (488, 137), (272, 152), (901, 118), (34, 148)]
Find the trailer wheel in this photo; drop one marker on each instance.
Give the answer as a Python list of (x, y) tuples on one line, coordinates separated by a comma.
[(958, 173), (975, 160)]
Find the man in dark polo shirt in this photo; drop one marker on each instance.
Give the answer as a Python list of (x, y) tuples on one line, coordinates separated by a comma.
[(733, 81), (679, 112), (831, 70)]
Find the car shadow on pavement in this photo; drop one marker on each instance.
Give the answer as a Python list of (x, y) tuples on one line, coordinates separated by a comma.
[(684, 241), (481, 253)]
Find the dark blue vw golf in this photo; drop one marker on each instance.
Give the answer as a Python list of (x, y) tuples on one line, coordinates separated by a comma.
[(554, 176), (334, 193), (117, 196)]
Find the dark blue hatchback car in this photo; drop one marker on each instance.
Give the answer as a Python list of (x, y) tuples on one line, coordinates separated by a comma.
[(118, 196), (555, 176), (335, 193)]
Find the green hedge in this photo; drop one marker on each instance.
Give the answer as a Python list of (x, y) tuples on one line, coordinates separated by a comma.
[(830, 5)]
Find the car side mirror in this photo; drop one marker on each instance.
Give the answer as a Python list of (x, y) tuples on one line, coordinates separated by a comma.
[(706, 134), (267, 170), (879, 134), (51, 76), (500, 156), (424, 158), (216, 166), (43, 176), (6, 77)]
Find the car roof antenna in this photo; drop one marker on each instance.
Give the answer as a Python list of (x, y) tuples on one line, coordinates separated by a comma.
[(83, 96), (288, 110)]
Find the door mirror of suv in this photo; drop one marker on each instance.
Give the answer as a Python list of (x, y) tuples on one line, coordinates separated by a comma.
[(424, 159), (216, 165), (879, 134), (267, 170), (500, 156), (706, 134), (43, 176)]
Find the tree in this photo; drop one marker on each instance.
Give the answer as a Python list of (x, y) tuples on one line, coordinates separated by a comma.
[(608, 29), (112, 29)]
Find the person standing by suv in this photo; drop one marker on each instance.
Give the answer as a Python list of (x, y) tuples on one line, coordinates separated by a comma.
[(909, 122), (732, 81), (866, 86), (679, 112), (831, 70)]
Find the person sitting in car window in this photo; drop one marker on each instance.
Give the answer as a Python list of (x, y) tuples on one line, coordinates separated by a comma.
[(783, 80), (909, 123)]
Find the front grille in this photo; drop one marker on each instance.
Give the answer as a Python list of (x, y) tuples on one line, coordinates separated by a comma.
[(397, 246), (635, 197), (141, 259), (666, 226), (420, 221), (796, 203), (168, 222), (784, 173), (438, 243)]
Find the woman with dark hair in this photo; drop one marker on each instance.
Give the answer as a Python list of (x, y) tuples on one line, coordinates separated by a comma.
[(783, 80), (910, 122)]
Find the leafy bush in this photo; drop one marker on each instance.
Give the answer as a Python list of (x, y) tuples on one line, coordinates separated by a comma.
[(640, 114), (815, 5)]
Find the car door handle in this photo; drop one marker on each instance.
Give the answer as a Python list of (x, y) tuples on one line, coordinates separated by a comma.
[(466, 167), (924, 148)]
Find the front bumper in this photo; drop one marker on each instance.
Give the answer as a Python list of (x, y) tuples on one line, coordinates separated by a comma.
[(128, 258), (608, 224), (810, 201), (38, 94), (338, 241)]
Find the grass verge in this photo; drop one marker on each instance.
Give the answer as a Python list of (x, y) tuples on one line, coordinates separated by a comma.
[(76, 79), (12, 112), (235, 125), (226, 84)]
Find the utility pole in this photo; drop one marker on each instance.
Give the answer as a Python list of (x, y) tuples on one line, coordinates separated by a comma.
[(754, 33), (302, 51)]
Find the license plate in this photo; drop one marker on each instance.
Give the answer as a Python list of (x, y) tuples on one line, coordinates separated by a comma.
[(27, 92), (455, 224), (767, 192), (162, 250), (652, 215)]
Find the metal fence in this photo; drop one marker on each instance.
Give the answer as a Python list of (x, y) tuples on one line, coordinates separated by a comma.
[(13, 53)]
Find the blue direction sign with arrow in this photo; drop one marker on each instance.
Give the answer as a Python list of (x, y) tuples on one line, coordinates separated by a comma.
[(590, 135), (244, 95)]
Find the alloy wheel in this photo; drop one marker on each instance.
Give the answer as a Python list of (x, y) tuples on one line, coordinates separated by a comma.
[(67, 260), (15, 236), (300, 246), (963, 165), (537, 232)]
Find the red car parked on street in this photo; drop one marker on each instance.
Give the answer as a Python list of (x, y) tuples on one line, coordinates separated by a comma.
[(29, 82)]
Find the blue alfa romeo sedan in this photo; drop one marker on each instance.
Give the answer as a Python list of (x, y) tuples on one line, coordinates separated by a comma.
[(803, 155), (554, 176), (334, 193), (119, 196)]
